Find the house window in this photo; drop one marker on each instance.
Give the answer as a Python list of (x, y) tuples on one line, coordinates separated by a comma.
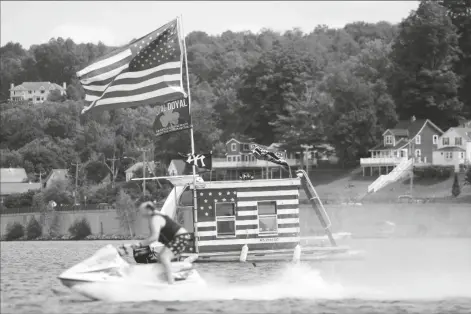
[(462, 155), (446, 141), (229, 158), (458, 141), (225, 219), (38, 98), (389, 139), (233, 147), (267, 220), (30, 91), (418, 139), (449, 155), (42, 91), (417, 153), (435, 139), (246, 146)]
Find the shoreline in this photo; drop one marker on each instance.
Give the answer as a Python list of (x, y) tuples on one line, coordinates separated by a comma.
[(326, 202), (69, 238), (303, 238)]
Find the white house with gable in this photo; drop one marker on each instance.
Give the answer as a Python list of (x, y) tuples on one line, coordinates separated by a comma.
[(453, 148)]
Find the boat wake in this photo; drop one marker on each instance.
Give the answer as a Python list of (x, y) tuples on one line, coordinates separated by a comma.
[(295, 281), (238, 281)]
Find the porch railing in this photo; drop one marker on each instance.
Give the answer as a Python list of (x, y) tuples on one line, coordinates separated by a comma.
[(392, 161)]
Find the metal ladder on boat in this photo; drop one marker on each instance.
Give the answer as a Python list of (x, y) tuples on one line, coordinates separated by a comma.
[(316, 204)]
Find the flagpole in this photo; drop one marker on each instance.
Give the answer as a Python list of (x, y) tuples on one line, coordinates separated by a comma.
[(195, 204)]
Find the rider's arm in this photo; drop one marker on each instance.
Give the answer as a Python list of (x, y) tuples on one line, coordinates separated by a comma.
[(156, 223)]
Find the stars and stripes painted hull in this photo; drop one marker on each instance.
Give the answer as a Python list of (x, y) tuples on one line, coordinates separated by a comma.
[(246, 197)]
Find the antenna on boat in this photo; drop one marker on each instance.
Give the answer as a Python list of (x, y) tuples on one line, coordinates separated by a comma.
[(195, 205)]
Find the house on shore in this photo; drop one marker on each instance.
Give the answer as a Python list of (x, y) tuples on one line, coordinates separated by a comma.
[(454, 148), (239, 159), (36, 92), (415, 139), (151, 167), (15, 181), (56, 175)]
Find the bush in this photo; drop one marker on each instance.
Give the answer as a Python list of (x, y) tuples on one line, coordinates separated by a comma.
[(467, 178), (456, 189), (80, 229), (14, 231), (59, 192), (102, 194), (20, 199), (33, 229), (434, 172)]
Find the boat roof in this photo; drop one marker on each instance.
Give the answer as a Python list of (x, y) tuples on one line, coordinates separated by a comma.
[(295, 182)]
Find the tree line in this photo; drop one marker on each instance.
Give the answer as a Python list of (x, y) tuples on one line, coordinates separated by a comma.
[(341, 86)]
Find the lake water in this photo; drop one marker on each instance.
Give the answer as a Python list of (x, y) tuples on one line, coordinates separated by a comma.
[(396, 276)]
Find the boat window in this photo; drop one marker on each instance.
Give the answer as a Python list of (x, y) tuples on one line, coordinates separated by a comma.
[(267, 218), (266, 208), (186, 199), (225, 219), (226, 227), (225, 209)]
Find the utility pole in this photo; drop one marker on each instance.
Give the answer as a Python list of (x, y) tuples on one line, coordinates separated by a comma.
[(306, 151), (40, 178), (112, 169), (77, 164), (144, 168), (411, 187)]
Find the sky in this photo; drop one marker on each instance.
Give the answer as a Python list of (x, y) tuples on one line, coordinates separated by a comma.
[(117, 22)]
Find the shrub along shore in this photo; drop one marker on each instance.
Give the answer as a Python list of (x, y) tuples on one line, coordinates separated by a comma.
[(79, 230), (108, 237)]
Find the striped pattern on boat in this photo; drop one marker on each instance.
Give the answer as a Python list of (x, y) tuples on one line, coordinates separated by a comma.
[(246, 216)]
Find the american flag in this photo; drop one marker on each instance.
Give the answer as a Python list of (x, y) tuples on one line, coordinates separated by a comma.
[(147, 71), (241, 211), (264, 154)]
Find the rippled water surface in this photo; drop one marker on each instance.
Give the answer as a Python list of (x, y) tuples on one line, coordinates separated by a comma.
[(396, 276)]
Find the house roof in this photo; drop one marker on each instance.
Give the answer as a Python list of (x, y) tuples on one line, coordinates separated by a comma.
[(179, 165), (451, 149), (37, 86), (464, 132), (411, 128), (240, 142), (399, 144), (59, 174), (11, 175), (7, 188), (232, 139), (150, 165), (399, 132)]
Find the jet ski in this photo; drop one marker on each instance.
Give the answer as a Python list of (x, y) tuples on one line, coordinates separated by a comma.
[(107, 276)]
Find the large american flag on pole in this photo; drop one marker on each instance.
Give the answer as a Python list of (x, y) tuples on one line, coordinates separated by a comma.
[(147, 71)]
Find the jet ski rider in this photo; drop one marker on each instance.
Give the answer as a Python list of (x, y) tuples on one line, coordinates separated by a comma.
[(173, 236)]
